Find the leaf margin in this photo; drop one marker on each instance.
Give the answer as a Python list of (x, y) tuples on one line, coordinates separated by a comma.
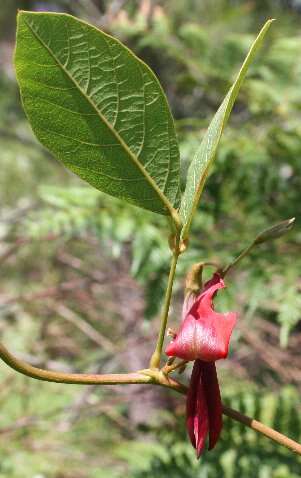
[(188, 208), (172, 209)]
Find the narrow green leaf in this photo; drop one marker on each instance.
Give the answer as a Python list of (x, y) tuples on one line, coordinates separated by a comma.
[(99, 109), (200, 165)]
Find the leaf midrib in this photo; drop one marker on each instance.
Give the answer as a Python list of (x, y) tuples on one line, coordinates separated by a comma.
[(133, 157), (232, 94)]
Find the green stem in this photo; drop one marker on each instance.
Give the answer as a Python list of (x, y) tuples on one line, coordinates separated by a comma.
[(244, 253), (155, 377), (173, 367), (72, 378), (156, 357)]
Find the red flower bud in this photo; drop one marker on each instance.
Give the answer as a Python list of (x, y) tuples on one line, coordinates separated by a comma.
[(203, 406), (204, 334)]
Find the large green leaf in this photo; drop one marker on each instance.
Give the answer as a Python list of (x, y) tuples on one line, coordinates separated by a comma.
[(98, 109), (200, 165)]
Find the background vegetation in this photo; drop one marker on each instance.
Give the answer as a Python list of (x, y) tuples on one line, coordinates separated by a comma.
[(82, 274)]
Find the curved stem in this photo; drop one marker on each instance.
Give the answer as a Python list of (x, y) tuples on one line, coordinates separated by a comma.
[(243, 254), (71, 378), (248, 421), (156, 357), (263, 429), (155, 377)]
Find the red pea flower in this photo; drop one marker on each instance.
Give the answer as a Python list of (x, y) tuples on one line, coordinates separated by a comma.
[(203, 336), (203, 406)]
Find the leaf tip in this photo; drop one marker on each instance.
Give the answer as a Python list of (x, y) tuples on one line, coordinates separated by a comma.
[(23, 13), (266, 26), (269, 22)]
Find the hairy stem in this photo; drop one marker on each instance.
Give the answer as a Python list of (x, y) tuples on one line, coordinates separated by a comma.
[(156, 357)]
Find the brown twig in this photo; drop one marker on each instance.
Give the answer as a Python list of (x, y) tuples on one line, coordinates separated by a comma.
[(78, 265), (46, 293), (12, 249), (22, 241), (274, 361), (263, 429), (87, 329), (21, 423)]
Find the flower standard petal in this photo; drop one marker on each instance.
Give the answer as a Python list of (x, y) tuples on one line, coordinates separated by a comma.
[(204, 334)]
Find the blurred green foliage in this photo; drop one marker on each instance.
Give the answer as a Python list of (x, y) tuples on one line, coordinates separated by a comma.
[(240, 452), (195, 48)]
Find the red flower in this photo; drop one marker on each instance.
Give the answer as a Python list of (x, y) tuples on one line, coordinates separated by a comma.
[(203, 406), (203, 336)]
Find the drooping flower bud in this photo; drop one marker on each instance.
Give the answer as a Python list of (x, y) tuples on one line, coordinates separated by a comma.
[(204, 334)]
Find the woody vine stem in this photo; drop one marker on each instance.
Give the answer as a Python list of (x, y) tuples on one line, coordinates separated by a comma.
[(147, 376), (32, 31), (152, 375)]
